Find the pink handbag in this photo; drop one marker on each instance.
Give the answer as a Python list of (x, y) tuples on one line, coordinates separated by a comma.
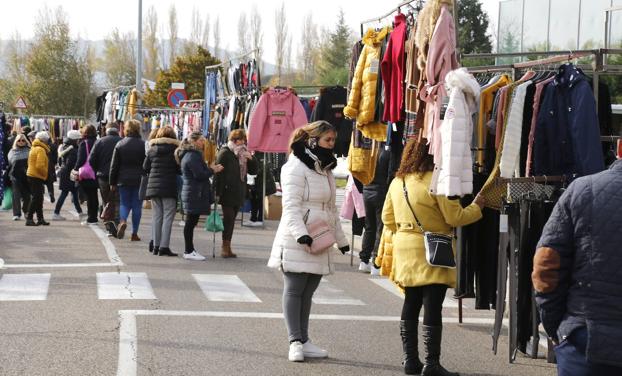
[(322, 235)]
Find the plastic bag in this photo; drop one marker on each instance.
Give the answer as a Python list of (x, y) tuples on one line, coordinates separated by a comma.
[(213, 223), (7, 201)]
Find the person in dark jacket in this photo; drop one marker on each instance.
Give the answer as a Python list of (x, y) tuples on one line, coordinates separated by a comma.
[(126, 171), (68, 155), (162, 168), (52, 162), (236, 161), (576, 275), (89, 186), (100, 160), (17, 166), (373, 197), (196, 194)]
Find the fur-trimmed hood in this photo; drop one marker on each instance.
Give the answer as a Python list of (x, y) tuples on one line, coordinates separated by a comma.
[(463, 80), (426, 22), (373, 38), (164, 141), (185, 148)]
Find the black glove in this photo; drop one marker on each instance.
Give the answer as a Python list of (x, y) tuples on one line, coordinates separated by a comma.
[(305, 239), (345, 249)]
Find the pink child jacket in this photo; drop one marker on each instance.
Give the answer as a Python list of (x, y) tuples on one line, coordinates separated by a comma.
[(352, 200), (277, 114)]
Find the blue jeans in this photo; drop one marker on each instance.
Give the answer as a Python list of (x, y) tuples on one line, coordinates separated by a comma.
[(130, 201), (74, 198), (571, 359)]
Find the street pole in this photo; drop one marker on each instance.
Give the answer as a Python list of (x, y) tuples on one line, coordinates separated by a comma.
[(139, 48)]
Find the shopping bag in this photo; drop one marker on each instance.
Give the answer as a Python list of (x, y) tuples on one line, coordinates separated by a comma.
[(213, 223), (7, 201)]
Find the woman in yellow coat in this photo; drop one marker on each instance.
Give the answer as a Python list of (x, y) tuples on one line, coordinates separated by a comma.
[(423, 284), (37, 174)]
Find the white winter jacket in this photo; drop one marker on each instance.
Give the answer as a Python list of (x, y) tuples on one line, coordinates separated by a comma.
[(304, 190), (453, 175)]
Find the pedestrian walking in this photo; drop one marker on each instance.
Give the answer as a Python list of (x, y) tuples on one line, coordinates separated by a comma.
[(37, 174), (52, 162), (17, 167), (88, 184), (196, 192), (163, 169), (126, 170), (100, 159), (309, 196), (237, 161), (408, 203), (576, 275), (67, 156)]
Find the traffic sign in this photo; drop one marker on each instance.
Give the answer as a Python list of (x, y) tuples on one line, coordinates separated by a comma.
[(175, 96), (20, 104)]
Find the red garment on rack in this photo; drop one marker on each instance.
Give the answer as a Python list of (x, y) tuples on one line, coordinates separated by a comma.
[(392, 70)]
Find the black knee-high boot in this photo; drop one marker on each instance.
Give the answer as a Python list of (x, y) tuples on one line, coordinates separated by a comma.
[(408, 330), (432, 336)]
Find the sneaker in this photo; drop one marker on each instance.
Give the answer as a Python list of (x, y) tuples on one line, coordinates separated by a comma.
[(194, 256), (121, 230), (182, 223), (374, 271), (364, 267), (257, 224), (42, 222), (296, 353), (16, 217), (248, 223), (58, 217), (85, 223), (30, 222), (309, 350)]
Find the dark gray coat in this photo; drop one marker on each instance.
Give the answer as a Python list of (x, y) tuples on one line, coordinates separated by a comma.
[(162, 168), (101, 156), (196, 193), (580, 249)]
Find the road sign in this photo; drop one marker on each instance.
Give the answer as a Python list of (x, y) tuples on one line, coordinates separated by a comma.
[(175, 96), (20, 104), (178, 85)]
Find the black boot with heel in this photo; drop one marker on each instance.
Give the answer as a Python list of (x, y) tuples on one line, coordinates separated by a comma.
[(410, 340), (432, 336)]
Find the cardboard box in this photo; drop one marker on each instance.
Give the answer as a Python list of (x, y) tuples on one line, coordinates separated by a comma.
[(273, 207)]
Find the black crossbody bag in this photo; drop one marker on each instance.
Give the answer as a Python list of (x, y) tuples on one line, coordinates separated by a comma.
[(438, 247)]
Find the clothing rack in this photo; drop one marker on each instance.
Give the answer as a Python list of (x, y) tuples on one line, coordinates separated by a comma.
[(408, 3), (533, 179), (227, 62), (610, 138), (53, 116)]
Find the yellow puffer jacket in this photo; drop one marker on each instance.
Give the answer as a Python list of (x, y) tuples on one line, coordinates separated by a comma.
[(436, 213), (362, 101), (385, 253), (38, 160)]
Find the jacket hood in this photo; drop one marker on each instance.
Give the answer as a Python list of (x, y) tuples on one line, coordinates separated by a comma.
[(569, 75), (373, 37), (185, 148), (426, 23), (463, 80), (279, 95), (164, 141), (42, 144)]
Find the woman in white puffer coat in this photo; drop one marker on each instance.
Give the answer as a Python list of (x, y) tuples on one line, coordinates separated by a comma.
[(308, 188)]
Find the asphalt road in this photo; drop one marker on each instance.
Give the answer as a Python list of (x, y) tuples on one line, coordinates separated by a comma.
[(74, 302)]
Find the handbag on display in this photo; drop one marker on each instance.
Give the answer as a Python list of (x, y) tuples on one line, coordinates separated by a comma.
[(439, 250), (322, 234), (86, 171)]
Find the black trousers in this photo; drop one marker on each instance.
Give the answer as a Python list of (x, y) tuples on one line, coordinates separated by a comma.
[(255, 197), (431, 297), (108, 195), (37, 188), (228, 220), (92, 203), (191, 221), (373, 226)]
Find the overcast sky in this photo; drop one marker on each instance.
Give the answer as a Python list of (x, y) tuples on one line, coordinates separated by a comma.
[(95, 19)]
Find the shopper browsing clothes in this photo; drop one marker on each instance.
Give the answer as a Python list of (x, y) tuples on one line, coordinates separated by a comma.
[(237, 161), (67, 156), (423, 284), (37, 174), (88, 183), (309, 196), (196, 192), (17, 166)]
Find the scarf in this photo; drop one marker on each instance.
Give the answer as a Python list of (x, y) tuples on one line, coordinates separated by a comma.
[(239, 151), (319, 159)]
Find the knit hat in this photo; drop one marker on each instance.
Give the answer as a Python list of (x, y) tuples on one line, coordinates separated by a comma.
[(73, 135), (43, 136)]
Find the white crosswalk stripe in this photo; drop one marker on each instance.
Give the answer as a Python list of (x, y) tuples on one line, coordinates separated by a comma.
[(225, 288), (327, 293), (22, 287), (112, 286)]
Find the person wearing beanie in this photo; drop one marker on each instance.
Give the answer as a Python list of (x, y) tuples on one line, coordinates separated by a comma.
[(37, 174), (67, 157), (100, 159)]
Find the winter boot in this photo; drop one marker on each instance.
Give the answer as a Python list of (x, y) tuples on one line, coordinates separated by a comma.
[(31, 222), (226, 251), (432, 341), (165, 251), (150, 246), (408, 330)]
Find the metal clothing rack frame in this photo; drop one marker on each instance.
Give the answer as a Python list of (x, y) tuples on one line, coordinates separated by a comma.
[(228, 62), (407, 3)]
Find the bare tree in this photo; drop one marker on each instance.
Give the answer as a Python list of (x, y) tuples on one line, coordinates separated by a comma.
[(288, 59), (196, 27), (256, 35), (206, 30), (119, 58), (280, 18), (309, 45), (243, 33), (151, 44), (217, 37), (172, 33)]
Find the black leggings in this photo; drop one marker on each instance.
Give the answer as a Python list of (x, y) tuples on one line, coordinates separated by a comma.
[(191, 222), (431, 298), (229, 213), (36, 202)]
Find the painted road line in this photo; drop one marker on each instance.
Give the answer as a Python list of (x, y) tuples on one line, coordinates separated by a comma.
[(112, 286), (327, 293), (225, 288), (21, 287)]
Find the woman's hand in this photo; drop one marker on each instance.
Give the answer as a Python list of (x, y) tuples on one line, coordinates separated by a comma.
[(217, 168), (480, 201)]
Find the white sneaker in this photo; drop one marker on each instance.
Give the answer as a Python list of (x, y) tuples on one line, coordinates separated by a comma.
[(375, 271), (364, 267), (16, 217), (257, 224), (248, 224), (296, 353), (58, 217), (309, 350), (194, 256), (182, 223)]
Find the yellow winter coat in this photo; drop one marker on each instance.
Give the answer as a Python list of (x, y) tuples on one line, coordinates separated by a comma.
[(437, 214), (362, 101), (385, 252), (38, 160)]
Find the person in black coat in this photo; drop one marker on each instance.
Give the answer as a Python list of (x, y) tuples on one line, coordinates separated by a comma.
[(100, 160), (67, 156), (52, 161), (196, 194), (89, 186), (162, 168), (126, 171)]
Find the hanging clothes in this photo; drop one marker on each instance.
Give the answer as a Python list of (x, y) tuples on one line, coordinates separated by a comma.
[(392, 70), (329, 107)]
